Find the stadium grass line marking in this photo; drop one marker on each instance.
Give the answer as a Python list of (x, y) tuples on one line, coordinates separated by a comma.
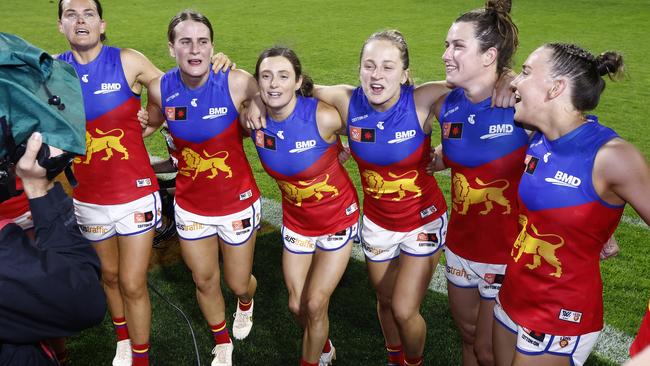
[(635, 221), (612, 344)]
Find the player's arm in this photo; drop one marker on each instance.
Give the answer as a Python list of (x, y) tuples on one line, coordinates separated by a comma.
[(329, 122), (337, 96), (138, 70), (153, 118)]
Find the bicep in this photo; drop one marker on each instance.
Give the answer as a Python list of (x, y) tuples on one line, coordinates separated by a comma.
[(138, 68), (429, 97), (335, 95), (329, 121), (242, 86)]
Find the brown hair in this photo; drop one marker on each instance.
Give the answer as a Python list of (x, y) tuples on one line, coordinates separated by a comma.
[(585, 71), (493, 27), (307, 87), (187, 14)]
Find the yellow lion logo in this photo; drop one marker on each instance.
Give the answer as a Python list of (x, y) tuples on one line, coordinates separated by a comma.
[(378, 186), (466, 195), (195, 163), (537, 247), (308, 189), (95, 144)]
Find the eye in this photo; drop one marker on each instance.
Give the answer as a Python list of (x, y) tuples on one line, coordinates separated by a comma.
[(265, 76)]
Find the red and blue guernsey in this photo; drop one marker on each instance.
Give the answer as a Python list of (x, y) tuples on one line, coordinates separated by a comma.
[(116, 167), (318, 195), (553, 283), (214, 177), (485, 150), (392, 152)]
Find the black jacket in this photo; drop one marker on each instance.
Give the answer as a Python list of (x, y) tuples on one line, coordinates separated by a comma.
[(49, 288)]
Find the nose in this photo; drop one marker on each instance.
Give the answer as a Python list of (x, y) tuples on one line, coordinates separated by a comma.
[(376, 73), (194, 48), (446, 56), (515, 82), (273, 83)]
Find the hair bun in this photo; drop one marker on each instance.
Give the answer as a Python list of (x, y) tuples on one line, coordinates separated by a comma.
[(610, 63), (500, 6)]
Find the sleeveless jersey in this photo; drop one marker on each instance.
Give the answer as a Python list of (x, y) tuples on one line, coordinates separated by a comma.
[(392, 153), (553, 283), (318, 195), (116, 168), (15, 206), (214, 177), (642, 339), (485, 150)]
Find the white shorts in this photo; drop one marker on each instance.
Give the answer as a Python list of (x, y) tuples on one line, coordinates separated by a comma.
[(465, 273), (381, 245), (100, 222), (301, 244), (532, 343), (233, 229), (24, 221)]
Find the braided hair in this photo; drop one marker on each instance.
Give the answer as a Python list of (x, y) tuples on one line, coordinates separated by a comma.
[(585, 71)]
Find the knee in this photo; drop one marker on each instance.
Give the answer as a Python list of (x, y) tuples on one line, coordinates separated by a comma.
[(468, 334), (317, 308), (385, 301), (133, 289), (484, 354), (110, 278), (403, 314), (294, 305), (206, 282), (239, 288)]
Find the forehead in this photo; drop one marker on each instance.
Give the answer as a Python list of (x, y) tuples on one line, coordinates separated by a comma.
[(191, 29), (380, 51), (276, 63), (461, 31), (78, 5), (539, 57)]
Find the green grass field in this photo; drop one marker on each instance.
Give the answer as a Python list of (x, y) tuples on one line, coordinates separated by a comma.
[(327, 35)]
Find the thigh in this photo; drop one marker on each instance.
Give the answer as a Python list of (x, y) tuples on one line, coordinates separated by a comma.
[(541, 360), (382, 276), (464, 305), (135, 253), (326, 271), (238, 259), (295, 268), (109, 255), (201, 256), (413, 279)]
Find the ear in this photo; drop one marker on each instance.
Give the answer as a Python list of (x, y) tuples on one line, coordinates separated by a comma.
[(298, 83), (490, 56), (102, 26), (559, 85), (405, 76), (171, 49)]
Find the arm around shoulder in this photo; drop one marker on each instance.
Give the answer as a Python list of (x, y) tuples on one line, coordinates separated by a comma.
[(329, 122), (335, 95), (138, 68)]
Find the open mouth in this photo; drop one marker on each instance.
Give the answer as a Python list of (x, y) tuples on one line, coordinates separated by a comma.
[(194, 62), (517, 98), (376, 88), (82, 32), (274, 94)]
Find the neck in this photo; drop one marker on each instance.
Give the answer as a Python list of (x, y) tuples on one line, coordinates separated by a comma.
[(281, 113), (383, 107), (85, 55), (561, 122), (482, 87), (194, 82)]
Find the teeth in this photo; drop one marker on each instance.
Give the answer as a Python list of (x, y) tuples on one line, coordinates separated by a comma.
[(274, 94), (517, 98)]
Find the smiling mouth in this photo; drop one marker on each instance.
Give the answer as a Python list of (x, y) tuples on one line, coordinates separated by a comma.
[(517, 98), (82, 32), (274, 94)]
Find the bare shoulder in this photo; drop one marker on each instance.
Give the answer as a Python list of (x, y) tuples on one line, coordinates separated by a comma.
[(329, 120), (618, 158)]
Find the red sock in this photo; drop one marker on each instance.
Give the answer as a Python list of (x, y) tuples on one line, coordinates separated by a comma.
[(121, 330), (413, 361), (220, 333), (395, 354), (245, 306), (328, 346), (140, 354), (305, 363)]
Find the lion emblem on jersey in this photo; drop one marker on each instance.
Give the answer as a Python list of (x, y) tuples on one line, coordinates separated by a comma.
[(537, 247), (195, 163), (465, 195), (104, 142), (307, 189), (378, 186)]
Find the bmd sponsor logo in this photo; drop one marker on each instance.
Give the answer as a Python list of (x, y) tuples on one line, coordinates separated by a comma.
[(302, 146), (401, 136), (564, 179), (106, 88), (501, 130), (216, 112)]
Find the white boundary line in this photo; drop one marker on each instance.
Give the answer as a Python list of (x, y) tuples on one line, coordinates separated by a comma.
[(612, 343)]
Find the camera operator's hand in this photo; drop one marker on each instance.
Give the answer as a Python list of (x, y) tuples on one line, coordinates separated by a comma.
[(35, 182)]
